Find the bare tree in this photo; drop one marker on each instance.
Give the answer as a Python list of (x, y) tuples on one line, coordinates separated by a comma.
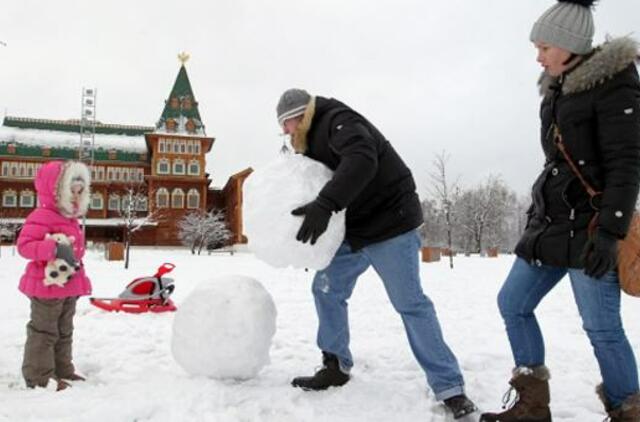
[(445, 193), (135, 214), (483, 211), (199, 230)]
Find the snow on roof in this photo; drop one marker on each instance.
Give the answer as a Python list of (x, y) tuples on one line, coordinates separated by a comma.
[(70, 140)]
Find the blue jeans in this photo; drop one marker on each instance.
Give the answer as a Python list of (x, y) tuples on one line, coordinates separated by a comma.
[(598, 302), (396, 262)]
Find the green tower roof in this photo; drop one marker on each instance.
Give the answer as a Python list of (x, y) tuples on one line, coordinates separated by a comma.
[(180, 114)]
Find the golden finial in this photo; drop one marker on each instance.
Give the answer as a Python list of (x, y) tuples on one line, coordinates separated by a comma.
[(183, 57)]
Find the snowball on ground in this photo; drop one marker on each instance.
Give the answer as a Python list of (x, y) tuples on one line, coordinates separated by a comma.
[(270, 194), (223, 329)]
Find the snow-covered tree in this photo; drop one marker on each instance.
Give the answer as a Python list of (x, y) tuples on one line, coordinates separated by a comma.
[(135, 214), (199, 230)]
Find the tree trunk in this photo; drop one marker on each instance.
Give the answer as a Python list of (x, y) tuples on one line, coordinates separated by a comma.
[(200, 246), (126, 250), (449, 240)]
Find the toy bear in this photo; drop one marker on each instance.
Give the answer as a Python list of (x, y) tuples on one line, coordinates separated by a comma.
[(58, 271)]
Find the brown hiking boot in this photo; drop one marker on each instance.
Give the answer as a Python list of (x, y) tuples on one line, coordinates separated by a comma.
[(629, 410), (532, 398)]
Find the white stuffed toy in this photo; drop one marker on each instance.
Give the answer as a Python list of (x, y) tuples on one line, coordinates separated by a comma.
[(58, 271)]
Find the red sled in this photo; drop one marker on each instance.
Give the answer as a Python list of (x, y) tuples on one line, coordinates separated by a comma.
[(144, 294)]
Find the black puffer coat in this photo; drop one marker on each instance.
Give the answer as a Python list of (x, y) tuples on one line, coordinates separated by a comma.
[(370, 179), (597, 108)]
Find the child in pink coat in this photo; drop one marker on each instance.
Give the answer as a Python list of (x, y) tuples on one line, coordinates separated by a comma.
[(63, 196)]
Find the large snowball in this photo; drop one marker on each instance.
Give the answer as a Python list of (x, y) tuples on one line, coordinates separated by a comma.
[(223, 329), (270, 193)]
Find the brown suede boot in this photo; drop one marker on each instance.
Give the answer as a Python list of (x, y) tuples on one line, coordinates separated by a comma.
[(629, 410), (532, 397)]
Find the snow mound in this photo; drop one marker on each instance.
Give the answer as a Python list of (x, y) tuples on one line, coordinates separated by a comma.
[(223, 329), (270, 194)]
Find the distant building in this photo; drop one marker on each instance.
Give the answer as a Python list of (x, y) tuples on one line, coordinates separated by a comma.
[(165, 162)]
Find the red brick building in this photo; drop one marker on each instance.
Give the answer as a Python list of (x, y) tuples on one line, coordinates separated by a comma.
[(164, 163)]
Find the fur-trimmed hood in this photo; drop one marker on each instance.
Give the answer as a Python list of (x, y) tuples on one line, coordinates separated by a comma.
[(605, 62), (53, 184)]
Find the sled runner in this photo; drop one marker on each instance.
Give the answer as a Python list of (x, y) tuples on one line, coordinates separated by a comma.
[(144, 294)]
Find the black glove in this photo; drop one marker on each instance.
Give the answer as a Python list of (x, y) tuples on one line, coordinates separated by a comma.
[(600, 254), (65, 252), (316, 218)]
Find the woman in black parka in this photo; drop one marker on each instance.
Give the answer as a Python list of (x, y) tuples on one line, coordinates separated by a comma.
[(592, 99)]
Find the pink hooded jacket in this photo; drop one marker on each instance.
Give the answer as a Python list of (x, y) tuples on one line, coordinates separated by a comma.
[(55, 214)]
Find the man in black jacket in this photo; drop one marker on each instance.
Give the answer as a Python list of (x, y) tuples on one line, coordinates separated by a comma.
[(377, 189)]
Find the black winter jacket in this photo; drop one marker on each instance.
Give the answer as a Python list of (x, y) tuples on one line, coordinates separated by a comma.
[(597, 109), (370, 179)]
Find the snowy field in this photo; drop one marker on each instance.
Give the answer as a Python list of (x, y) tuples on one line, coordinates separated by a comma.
[(133, 377)]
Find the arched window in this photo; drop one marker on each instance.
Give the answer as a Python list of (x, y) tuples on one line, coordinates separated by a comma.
[(5, 169), (178, 166), (194, 168), (14, 169), (9, 199), (114, 202), (193, 199), (162, 198), (163, 166), (177, 198), (162, 145), (97, 201), (27, 199), (31, 170)]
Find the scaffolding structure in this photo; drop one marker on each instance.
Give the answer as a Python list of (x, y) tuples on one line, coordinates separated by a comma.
[(87, 133), (87, 126)]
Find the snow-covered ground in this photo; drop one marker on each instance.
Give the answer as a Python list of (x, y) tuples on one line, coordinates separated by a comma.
[(133, 377)]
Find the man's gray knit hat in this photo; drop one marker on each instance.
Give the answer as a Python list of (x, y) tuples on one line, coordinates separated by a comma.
[(293, 102), (568, 25)]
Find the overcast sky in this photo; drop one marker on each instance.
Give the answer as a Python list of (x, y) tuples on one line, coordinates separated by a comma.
[(454, 75)]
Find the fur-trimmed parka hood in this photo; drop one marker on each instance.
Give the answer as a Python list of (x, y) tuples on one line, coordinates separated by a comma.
[(53, 184), (601, 65)]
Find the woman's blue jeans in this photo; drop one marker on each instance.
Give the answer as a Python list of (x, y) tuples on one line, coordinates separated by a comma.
[(598, 302)]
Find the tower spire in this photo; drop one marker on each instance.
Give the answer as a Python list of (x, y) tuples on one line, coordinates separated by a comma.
[(180, 114)]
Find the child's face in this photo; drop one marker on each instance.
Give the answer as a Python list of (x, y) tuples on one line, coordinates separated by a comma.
[(76, 192)]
